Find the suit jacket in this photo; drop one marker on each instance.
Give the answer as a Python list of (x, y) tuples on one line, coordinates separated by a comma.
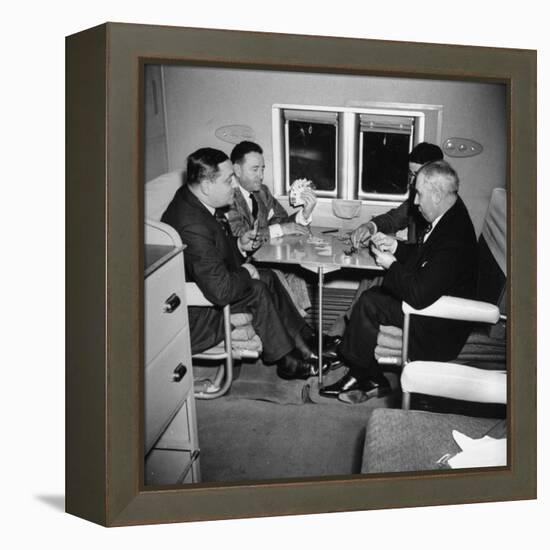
[(240, 216), (405, 215), (212, 261), (446, 264)]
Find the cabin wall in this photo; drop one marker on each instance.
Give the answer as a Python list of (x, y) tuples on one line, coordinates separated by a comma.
[(200, 100)]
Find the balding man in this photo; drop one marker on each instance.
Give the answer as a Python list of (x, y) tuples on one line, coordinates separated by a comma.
[(404, 216), (443, 262), (214, 260)]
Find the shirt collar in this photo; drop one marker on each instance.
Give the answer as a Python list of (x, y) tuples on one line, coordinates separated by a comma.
[(436, 221), (209, 208), (246, 194), (433, 224)]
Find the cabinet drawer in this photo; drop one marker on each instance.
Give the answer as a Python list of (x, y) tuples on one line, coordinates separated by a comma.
[(170, 467), (165, 306), (168, 380)]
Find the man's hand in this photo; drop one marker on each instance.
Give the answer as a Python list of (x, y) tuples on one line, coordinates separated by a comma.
[(310, 200), (252, 270), (385, 243), (293, 228), (383, 259), (362, 234), (250, 240)]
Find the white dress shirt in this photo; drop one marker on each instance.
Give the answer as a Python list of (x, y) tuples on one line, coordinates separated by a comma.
[(275, 229), (434, 223)]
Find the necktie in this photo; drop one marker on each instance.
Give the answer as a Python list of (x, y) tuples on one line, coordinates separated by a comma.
[(254, 206), (222, 220), (423, 233)]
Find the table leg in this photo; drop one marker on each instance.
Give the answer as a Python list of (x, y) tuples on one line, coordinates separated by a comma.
[(320, 327)]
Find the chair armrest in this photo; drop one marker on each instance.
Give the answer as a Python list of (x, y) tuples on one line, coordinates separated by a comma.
[(454, 381), (195, 297), (461, 309)]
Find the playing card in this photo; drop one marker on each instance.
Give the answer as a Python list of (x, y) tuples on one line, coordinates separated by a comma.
[(316, 241), (296, 190)]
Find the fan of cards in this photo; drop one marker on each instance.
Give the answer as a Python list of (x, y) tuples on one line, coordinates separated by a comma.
[(296, 190)]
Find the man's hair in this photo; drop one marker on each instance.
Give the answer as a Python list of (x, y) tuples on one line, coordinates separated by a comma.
[(203, 164), (440, 175), (425, 152), (242, 149)]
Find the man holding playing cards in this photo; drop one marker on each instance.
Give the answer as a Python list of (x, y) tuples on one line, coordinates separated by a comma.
[(255, 207), (443, 261), (255, 204)]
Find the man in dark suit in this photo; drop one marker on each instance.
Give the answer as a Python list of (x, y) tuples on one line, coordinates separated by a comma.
[(215, 261), (444, 262), (405, 216)]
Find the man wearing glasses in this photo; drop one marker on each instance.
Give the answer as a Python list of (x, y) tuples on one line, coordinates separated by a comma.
[(404, 216)]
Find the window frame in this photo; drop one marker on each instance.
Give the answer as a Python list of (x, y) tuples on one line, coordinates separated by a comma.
[(349, 162), (287, 182), (382, 197)]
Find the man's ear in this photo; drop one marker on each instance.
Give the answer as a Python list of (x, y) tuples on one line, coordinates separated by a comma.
[(204, 186), (238, 170), (437, 196)]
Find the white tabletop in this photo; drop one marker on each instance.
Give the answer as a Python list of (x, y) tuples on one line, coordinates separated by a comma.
[(316, 249)]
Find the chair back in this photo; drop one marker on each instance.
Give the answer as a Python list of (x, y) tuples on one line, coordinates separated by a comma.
[(494, 227), (491, 286), (158, 194)]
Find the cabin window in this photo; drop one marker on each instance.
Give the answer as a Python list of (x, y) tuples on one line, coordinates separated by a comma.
[(310, 149), (311, 153), (348, 153), (385, 144)]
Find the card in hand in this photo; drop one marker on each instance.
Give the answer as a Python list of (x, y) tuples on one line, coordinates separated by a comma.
[(296, 190)]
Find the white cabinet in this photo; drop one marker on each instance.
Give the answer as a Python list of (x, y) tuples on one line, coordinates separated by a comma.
[(171, 443)]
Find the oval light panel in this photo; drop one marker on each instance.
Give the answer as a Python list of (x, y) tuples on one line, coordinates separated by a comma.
[(461, 147), (235, 133)]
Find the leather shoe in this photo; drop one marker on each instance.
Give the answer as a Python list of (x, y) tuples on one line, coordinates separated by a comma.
[(357, 390), (330, 346), (303, 347), (346, 383), (327, 365), (291, 367), (330, 343), (377, 387)]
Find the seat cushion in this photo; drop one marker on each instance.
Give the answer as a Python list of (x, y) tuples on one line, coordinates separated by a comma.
[(481, 349), (388, 342), (401, 441)]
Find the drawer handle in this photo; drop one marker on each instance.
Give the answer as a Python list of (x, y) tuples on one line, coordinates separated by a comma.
[(179, 372), (172, 303)]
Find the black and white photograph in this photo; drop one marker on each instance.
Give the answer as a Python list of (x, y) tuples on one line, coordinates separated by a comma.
[(207, 204), (325, 274)]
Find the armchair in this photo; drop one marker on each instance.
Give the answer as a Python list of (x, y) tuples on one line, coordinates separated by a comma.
[(453, 381), (240, 341), (406, 440)]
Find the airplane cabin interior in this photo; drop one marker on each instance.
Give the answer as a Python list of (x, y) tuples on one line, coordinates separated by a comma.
[(222, 415)]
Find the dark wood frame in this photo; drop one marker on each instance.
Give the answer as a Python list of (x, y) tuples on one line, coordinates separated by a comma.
[(104, 273)]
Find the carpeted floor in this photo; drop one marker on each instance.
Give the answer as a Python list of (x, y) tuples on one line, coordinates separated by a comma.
[(268, 428), (249, 440)]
